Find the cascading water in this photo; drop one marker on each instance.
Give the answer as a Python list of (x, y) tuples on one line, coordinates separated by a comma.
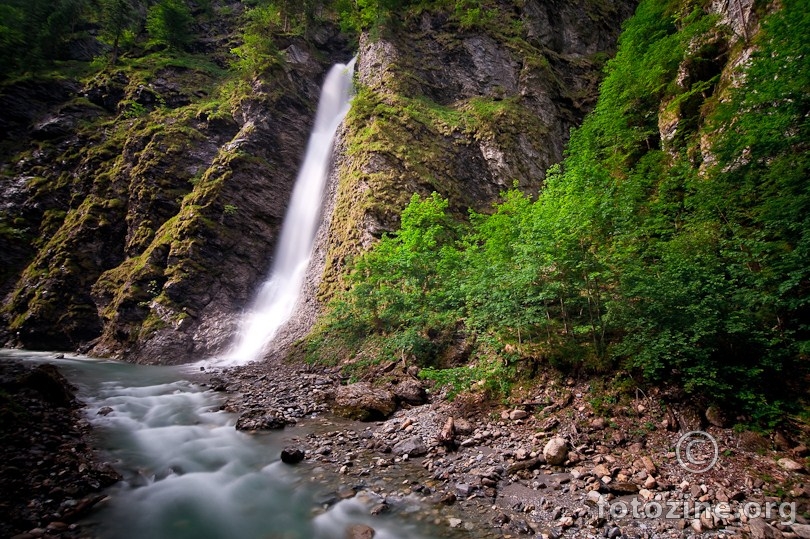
[(277, 297), (189, 474)]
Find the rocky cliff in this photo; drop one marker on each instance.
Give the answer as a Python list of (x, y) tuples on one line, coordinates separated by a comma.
[(140, 203), (467, 112)]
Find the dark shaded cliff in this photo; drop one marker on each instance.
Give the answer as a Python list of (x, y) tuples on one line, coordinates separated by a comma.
[(139, 205)]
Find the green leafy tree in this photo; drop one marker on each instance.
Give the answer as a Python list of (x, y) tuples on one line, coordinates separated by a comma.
[(12, 38), (117, 17), (258, 50), (169, 22)]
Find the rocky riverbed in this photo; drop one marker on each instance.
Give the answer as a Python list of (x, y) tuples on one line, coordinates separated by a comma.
[(555, 461), (552, 463), (50, 477)]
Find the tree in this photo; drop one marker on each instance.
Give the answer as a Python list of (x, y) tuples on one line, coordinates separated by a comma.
[(169, 22), (117, 16), (12, 38)]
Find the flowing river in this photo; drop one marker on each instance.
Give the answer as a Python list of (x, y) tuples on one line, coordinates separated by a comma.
[(188, 473)]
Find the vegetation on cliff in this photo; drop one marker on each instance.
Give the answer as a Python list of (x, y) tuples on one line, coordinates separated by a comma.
[(671, 245), (150, 153), (130, 143)]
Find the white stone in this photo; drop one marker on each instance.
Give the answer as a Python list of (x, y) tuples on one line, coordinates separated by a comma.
[(556, 451)]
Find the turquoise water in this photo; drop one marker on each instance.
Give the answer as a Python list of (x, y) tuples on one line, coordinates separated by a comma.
[(188, 473)]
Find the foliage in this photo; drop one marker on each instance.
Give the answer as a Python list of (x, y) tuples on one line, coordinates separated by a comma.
[(258, 51), (34, 32), (117, 18), (681, 261), (169, 22), (399, 290)]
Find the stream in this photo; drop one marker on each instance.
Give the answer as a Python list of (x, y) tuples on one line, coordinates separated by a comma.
[(188, 473)]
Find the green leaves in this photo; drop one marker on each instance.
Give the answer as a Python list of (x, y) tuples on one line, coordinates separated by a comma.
[(169, 22), (685, 264)]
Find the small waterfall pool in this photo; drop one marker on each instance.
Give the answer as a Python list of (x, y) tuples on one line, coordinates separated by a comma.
[(188, 473)]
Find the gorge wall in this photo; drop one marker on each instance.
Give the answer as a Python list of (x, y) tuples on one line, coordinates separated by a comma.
[(139, 205)]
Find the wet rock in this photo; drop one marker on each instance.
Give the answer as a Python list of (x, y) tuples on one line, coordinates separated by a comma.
[(363, 402), (556, 451), (292, 455), (413, 447), (359, 531), (53, 387), (48, 471), (520, 527), (261, 420), (463, 490)]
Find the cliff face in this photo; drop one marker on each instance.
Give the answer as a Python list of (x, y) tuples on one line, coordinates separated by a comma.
[(140, 207), (465, 110), (139, 211)]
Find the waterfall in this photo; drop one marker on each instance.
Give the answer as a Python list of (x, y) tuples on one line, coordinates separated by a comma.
[(277, 296)]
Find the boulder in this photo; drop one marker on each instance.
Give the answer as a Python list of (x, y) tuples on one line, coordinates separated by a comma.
[(360, 531), (556, 451), (411, 392), (790, 465), (413, 447), (715, 416), (363, 402), (514, 415), (291, 455)]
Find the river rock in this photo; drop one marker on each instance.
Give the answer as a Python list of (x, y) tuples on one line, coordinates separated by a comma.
[(363, 402), (413, 447), (50, 383), (462, 426), (801, 530), (360, 531), (715, 416), (762, 530), (257, 419), (291, 455), (556, 451), (514, 415), (790, 465)]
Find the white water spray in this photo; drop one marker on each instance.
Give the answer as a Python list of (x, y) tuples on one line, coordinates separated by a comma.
[(278, 295)]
